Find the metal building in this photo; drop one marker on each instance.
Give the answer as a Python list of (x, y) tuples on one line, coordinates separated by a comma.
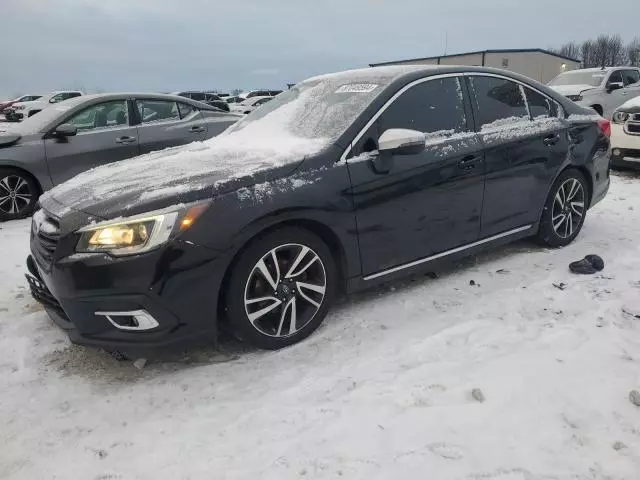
[(536, 63)]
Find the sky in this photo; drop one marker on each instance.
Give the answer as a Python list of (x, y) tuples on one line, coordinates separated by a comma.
[(168, 45)]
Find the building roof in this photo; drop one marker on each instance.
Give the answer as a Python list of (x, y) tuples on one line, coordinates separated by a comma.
[(514, 50)]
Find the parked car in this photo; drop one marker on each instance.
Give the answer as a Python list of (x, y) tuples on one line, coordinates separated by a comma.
[(22, 110), (625, 135), (208, 98), (340, 183), (235, 99), (260, 93), (92, 130), (250, 104), (602, 89), (24, 98)]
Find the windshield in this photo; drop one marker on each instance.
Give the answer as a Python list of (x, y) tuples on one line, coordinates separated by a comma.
[(318, 108), (593, 79)]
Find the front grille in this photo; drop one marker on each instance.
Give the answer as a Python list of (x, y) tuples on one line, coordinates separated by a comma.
[(635, 117), (45, 235), (41, 294), (633, 128)]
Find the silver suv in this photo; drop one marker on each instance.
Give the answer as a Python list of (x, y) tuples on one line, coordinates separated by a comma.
[(602, 89)]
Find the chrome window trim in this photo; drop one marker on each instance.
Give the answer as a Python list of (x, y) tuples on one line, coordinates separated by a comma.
[(382, 109), (356, 139), (447, 253)]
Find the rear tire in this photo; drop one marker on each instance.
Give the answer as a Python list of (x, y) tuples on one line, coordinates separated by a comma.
[(565, 209), (281, 288), (18, 194)]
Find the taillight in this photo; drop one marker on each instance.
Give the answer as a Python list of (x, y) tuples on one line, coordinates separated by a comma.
[(605, 127)]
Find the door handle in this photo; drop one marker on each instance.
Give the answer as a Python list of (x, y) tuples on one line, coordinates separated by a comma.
[(468, 163), (196, 129), (125, 139), (551, 140)]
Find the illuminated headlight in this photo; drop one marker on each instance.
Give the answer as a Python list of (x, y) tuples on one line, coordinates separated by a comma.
[(620, 117), (138, 234)]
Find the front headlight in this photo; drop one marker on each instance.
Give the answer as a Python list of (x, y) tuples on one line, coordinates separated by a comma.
[(138, 234), (620, 117)]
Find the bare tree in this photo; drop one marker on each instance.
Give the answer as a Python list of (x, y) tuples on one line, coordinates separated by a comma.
[(571, 50), (633, 52)]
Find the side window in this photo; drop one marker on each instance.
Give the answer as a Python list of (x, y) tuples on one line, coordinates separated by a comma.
[(261, 101), (431, 106), (185, 110), (539, 105), (101, 115), (616, 77), (157, 110), (499, 101), (69, 95), (630, 76), (200, 97)]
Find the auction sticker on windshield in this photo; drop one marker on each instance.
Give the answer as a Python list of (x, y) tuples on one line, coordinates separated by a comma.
[(357, 88)]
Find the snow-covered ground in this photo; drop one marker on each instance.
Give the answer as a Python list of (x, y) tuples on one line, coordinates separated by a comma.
[(381, 391)]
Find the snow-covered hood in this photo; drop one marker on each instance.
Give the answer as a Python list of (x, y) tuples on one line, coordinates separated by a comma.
[(183, 174), (631, 106), (571, 89)]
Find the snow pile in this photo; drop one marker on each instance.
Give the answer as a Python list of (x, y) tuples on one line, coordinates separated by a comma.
[(506, 379)]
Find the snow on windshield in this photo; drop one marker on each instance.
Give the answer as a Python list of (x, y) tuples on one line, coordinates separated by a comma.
[(316, 109), (579, 78)]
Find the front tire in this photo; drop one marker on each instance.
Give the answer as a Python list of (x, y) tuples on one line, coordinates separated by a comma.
[(565, 210), (281, 288), (18, 194)]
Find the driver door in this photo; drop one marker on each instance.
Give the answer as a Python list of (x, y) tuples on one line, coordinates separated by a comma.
[(425, 203), (104, 136)]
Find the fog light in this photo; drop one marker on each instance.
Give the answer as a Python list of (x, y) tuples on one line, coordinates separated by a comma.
[(616, 152)]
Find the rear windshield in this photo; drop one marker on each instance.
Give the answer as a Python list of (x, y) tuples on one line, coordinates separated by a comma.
[(593, 79)]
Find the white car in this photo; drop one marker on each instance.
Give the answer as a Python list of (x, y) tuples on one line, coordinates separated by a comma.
[(249, 105), (601, 89), (21, 110), (625, 135)]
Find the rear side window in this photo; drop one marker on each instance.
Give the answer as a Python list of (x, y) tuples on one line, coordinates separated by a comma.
[(69, 95), (499, 101), (431, 106), (539, 105), (200, 97), (185, 110), (157, 110), (630, 76)]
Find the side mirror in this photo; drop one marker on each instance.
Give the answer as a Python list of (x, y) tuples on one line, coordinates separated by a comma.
[(401, 141), (65, 130), (614, 86)]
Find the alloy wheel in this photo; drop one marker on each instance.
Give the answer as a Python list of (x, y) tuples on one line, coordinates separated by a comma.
[(568, 208), (285, 290), (15, 194)]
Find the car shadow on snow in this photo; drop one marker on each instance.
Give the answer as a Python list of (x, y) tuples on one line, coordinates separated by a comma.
[(100, 367)]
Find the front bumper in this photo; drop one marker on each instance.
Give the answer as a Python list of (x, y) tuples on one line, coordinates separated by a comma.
[(13, 115), (625, 158), (176, 286)]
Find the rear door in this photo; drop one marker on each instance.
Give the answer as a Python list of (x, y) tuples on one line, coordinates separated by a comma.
[(428, 202), (105, 135), (525, 144), (165, 123)]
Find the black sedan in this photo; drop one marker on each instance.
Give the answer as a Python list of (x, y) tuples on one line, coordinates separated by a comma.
[(344, 181)]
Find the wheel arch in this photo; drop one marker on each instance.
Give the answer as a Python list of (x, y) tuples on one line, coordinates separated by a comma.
[(598, 108), (317, 227), (24, 171)]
